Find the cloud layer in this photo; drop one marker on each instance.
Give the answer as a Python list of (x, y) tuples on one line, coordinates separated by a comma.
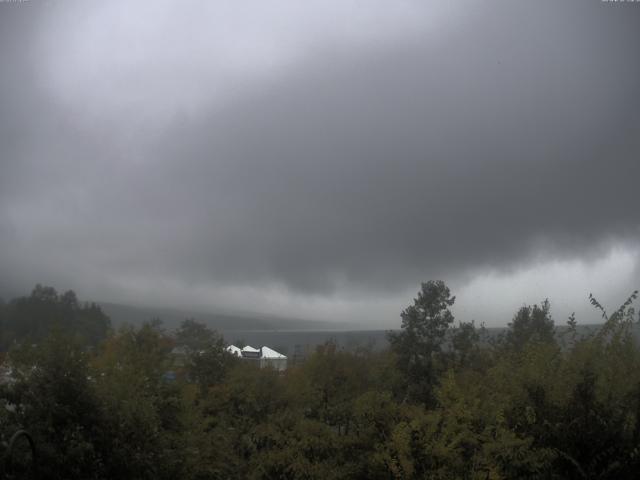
[(319, 160)]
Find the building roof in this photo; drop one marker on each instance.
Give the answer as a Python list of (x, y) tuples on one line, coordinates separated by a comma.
[(264, 352), (233, 350), (270, 353)]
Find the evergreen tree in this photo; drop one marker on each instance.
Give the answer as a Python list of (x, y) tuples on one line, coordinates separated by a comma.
[(419, 345), (531, 324)]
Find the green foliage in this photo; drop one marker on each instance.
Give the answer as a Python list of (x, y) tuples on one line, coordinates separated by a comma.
[(419, 345), (207, 360), (465, 344), (53, 397), (531, 324), (524, 408), (196, 336), (142, 412), (98, 415), (33, 318)]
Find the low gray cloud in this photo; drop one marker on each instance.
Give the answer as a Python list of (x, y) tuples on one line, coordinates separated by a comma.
[(506, 136)]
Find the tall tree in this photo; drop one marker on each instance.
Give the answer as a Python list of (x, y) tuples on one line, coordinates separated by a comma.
[(418, 345), (207, 360), (464, 342), (55, 401), (195, 335), (531, 324)]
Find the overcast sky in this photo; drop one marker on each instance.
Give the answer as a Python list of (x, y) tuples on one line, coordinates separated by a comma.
[(320, 159)]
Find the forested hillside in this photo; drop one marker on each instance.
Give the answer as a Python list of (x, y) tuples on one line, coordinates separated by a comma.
[(443, 401), (33, 318)]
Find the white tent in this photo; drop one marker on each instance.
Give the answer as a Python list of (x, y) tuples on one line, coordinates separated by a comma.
[(267, 357), (273, 359), (233, 350), (270, 353)]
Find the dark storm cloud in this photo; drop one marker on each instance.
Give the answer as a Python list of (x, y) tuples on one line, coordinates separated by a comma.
[(513, 135), (423, 160)]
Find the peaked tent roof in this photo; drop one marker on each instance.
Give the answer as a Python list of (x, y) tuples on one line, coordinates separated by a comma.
[(270, 353), (232, 349)]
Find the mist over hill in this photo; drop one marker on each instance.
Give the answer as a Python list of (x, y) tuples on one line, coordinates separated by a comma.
[(121, 314), (286, 335)]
